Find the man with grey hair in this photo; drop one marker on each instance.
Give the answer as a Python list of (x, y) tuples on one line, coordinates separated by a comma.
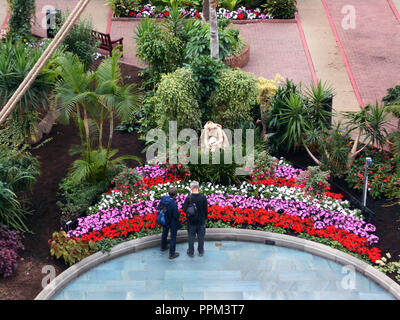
[(196, 209)]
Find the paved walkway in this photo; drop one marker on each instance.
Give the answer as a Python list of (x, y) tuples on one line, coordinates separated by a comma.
[(372, 48), (3, 13), (228, 270), (127, 29), (327, 60), (96, 10), (276, 48)]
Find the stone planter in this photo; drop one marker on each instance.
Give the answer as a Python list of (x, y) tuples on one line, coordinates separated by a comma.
[(239, 61)]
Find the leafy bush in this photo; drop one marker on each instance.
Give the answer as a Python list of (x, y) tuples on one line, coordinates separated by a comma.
[(70, 250), (206, 71), (77, 197), (233, 101), (19, 24), (198, 40), (230, 4), (16, 61), (166, 47), (18, 173), (158, 48), (10, 244), (221, 173), (315, 181), (79, 40), (293, 112), (120, 7), (128, 177), (176, 99), (333, 146), (382, 180), (264, 165), (393, 96), (281, 9)]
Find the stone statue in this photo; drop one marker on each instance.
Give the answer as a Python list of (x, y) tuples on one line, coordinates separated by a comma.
[(213, 137)]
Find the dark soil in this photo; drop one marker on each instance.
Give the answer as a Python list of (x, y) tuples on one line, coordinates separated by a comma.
[(26, 282), (385, 214)]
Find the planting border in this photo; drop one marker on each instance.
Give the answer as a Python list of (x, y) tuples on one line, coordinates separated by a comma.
[(223, 234)]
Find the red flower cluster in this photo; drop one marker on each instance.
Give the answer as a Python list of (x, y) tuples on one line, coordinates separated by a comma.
[(239, 216), (274, 181), (291, 183)]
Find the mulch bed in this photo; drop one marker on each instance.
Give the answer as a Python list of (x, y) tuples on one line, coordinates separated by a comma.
[(386, 215), (26, 282)]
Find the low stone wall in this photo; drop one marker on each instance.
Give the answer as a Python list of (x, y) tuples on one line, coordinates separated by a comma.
[(228, 234), (239, 61)]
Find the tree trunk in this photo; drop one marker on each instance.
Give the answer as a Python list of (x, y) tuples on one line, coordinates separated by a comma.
[(214, 42), (206, 10)]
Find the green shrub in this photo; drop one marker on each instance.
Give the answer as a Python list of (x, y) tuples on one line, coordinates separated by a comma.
[(76, 198), (281, 9), (16, 61), (176, 99), (221, 173), (206, 71), (79, 40), (72, 251), (393, 96), (315, 181), (382, 180), (127, 177), (159, 49), (333, 146), (232, 103), (292, 112), (121, 7), (18, 174), (19, 24), (198, 39)]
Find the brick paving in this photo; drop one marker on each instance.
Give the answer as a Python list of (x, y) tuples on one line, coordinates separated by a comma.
[(96, 11), (276, 48), (269, 54), (127, 29), (372, 48), (38, 28)]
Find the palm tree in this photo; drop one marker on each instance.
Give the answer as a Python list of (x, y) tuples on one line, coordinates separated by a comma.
[(206, 10), (93, 98)]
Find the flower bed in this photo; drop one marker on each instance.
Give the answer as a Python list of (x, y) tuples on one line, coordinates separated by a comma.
[(241, 15), (277, 201)]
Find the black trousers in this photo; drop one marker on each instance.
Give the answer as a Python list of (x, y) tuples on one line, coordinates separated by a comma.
[(200, 231), (172, 244)]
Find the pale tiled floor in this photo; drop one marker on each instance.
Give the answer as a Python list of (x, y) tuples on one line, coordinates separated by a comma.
[(229, 270)]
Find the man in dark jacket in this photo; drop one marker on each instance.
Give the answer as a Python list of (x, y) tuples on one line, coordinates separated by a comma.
[(198, 226), (174, 224)]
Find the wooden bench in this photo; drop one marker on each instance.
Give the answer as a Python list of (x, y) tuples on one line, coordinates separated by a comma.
[(105, 41)]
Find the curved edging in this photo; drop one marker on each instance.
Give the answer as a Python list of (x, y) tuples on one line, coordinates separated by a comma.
[(221, 234), (241, 60)]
